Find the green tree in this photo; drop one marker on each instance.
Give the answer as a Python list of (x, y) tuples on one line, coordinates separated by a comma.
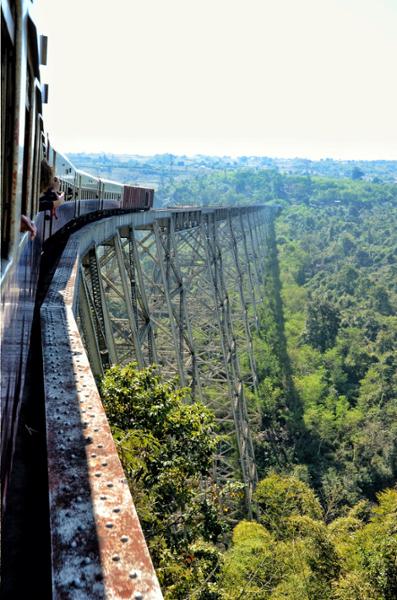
[(166, 444), (369, 553), (322, 323), (279, 497), (357, 173)]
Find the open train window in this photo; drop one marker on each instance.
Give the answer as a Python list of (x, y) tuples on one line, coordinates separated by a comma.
[(7, 131)]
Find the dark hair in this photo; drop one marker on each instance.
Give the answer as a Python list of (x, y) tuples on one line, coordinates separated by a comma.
[(46, 175)]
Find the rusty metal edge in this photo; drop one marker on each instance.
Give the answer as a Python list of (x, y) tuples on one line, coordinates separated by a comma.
[(97, 545)]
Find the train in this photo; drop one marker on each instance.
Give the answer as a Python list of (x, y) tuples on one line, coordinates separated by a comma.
[(24, 145)]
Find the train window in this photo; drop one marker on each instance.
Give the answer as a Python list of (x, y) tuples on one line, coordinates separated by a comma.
[(36, 160), (7, 126), (27, 149)]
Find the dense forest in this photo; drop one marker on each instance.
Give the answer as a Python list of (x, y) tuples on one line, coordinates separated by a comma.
[(325, 523)]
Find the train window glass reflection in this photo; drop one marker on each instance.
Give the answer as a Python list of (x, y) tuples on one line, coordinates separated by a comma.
[(37, 155), (7, 129), (29, 146), (27, 151)]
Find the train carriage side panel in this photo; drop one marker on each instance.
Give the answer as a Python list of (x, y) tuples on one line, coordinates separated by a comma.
[(21, 137), (137, 198)]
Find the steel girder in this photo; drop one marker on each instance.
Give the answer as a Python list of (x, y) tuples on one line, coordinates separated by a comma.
[(182, 291)]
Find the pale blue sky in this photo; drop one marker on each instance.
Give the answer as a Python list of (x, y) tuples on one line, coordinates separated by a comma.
[(310, 78)]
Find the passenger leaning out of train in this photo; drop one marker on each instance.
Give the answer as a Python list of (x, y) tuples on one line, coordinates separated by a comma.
[(50, 197)]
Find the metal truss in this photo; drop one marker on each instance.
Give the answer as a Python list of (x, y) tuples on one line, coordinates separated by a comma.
[(182, 290)]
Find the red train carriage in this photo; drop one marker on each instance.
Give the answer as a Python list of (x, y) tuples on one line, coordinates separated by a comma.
[(137, 198)]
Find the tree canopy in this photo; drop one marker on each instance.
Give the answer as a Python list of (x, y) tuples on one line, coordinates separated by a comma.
[(325, 430)]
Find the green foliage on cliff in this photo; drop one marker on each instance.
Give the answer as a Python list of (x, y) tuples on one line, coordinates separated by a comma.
[(338, 272), (166, 445)]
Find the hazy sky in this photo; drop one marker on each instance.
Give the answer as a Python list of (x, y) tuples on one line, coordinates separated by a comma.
[(310, 78)]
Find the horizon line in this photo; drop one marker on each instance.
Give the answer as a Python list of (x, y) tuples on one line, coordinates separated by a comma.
[(232, 156)]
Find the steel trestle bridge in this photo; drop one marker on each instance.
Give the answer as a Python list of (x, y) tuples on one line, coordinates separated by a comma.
[(180, 288)]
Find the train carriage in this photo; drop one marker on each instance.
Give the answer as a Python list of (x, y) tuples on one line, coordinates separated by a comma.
[(138, 198), (22, 149), (24, 145)]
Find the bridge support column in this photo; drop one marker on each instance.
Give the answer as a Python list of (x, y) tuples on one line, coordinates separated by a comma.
[(236, 387), (165, 266), (243, 302), (257, 245), (140, 299), (128, 300), (100, 307), (244, 227), (93, 337)]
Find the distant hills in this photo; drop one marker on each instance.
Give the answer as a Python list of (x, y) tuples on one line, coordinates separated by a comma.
[(160, 169)]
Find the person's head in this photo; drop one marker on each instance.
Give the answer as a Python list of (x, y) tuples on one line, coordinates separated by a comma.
[(46, 175), (56, 184)]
